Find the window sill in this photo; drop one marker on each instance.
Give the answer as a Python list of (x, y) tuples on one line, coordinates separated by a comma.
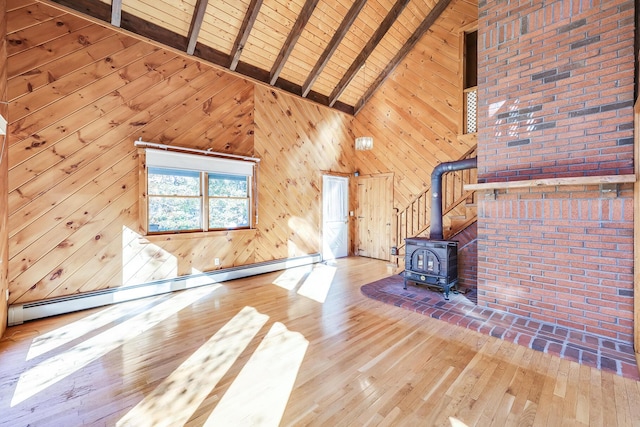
[(199, 235)]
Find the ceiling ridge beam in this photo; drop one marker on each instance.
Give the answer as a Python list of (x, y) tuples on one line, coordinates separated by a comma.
[(333, 45), (196, 24), (428, 21), (292, 38), (243, 34), (360, 60)]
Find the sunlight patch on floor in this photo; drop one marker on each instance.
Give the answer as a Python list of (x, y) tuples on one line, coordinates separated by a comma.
[(175, 400), (292, 277), (61, 336), (456, 422), (60, 366), (318, 283), (260, 392)]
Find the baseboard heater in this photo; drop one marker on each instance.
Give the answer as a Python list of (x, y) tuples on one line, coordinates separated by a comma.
[(20, 313)]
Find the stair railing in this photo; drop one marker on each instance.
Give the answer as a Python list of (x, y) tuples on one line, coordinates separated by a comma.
[(414, 219)]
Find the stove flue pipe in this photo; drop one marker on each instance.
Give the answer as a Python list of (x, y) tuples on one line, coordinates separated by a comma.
[(436, 232)]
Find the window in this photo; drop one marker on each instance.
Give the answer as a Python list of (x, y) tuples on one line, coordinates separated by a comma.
[(186, 192), (471, 59), (470, 81)]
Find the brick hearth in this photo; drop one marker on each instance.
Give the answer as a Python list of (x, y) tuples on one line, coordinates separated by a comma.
[(461, 310)]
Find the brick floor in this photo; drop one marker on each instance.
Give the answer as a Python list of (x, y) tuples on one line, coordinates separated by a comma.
[(462, 310)]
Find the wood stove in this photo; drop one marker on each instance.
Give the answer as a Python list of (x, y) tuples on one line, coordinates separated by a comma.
[(432, 263)]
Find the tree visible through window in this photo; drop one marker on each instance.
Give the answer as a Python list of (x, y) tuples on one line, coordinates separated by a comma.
[(175, 200), (228, 201)]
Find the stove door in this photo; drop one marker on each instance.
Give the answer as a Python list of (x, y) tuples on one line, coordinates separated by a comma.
[(426, 261)]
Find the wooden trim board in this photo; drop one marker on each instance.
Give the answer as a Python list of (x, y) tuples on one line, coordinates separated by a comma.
[(550, 182)]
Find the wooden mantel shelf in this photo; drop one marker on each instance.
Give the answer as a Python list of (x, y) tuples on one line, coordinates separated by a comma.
[(581, 180)]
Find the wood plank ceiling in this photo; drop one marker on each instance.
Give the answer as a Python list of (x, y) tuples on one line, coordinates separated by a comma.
[(334, 52)]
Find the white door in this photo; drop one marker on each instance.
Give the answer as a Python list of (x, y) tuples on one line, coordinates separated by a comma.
[(335, 216)]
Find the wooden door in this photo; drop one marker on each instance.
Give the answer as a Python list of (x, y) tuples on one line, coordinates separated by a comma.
[(375, 216)]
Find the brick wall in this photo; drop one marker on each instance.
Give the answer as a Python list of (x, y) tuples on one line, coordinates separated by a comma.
[(556, 88), (564, 258), (468, 257)]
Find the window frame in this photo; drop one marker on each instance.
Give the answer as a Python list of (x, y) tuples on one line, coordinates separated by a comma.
[(203, 165), (464, 90), (208, 198)]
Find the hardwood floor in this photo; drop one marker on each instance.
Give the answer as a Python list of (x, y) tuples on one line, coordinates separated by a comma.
[(301, 347)]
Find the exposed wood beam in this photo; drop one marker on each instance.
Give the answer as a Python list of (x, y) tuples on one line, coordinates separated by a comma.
[(216, 57), (333, 45), (196, 24), (428, 21), (292, 38), (243, 34), (96, 9), (388, 21), (102, 11), (116, 12), (153, 31)]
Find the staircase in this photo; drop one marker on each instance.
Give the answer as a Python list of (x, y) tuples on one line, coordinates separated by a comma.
[(458, 207)]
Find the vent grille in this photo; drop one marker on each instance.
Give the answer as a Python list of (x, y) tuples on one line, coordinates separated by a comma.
[(471, 110)]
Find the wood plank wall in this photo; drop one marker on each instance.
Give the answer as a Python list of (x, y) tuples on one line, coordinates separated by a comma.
[(81, 93), (416, 116), (298, 142), (4, 232)]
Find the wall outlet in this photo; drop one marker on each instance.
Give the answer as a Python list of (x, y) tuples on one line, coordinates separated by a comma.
[(216, 261)]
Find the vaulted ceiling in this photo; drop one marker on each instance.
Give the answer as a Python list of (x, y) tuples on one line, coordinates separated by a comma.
[(334, 52)]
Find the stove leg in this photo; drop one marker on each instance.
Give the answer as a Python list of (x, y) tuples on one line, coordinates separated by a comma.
[(446, 292), (405, 283)]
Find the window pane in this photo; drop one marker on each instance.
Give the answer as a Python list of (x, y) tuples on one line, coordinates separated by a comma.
[(471, 59), (173, 182), (228, 213), (174, 213), (228, 185)]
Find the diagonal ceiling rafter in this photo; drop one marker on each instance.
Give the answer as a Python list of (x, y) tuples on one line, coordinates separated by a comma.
[(403, 52), (292, 38), (116, 12), (240, 35), (341, 32), (247, 24), (386, 24), (196, 24)]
